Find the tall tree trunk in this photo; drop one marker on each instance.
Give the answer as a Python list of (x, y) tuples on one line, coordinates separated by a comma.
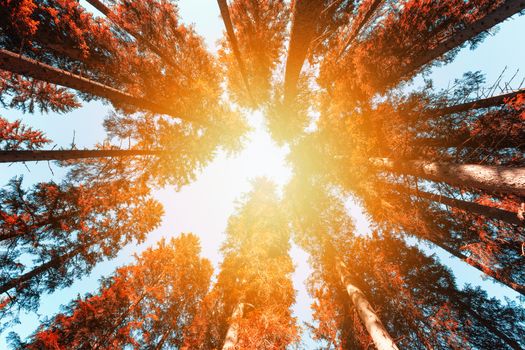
[(357, 27), (99, 5), (479, 209), (477, 104), (465, 140), (33, 156), (486, 270), (434, 235), (28, 67), (504, 11), (374, 326), (493, 179), (305, 18), (19, 282), (232, 335), (232, 39), (486, 323)]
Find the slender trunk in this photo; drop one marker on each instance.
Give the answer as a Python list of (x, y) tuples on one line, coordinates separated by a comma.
[(486, 323), (479, 209), (163, 339), (494, 179), (33, 156), (356, 28), (99, 5), (232, 335), (433, 234), (226, 18), (467, 141), (19, 282), (478, 104), (374, 326), (18, 64), (486, 270), (305, 17), (504, 11)]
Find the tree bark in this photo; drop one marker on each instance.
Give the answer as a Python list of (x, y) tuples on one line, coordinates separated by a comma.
[(53, 263), (232, 335), (504, 11), (478, 104), (305, 18), (18, 64), (232, 39), (493, 179), (479, 209), (33, 156), (374, 326)]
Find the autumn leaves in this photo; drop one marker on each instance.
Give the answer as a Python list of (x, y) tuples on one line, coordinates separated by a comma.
[(438, 167)]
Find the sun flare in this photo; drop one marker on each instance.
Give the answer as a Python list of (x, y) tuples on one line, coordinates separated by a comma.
[(262, 174)]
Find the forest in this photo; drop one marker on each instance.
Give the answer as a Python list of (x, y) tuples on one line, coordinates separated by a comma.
[(346, 88)]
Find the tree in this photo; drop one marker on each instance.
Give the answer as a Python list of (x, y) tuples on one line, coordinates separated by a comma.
[(249, 306), (260, 30), (313, 23), (66, 44), (417, 299), (147, 304), (54, 233), (407, 39), (412, 294)]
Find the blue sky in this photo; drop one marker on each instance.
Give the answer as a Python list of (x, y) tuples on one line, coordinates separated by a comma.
[(204, 206)]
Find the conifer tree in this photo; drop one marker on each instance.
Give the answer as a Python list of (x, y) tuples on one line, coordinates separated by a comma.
[(147, 304), (249, 306), (260, 29), (53, 233)]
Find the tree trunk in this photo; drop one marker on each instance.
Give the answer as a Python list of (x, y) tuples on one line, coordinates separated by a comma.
[(486, 270), (18, 282), (479, 209), (493, 179), (232, 335), (232, 39), (487, 324), (466, 140), (28, 67), (433, 234), (504, 11), (376, 330), (356, 28), (305, 17), (33, 156), (478, 104), (99, 5)]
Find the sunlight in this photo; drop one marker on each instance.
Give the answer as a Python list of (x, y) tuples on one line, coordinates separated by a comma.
[(261, 156)]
